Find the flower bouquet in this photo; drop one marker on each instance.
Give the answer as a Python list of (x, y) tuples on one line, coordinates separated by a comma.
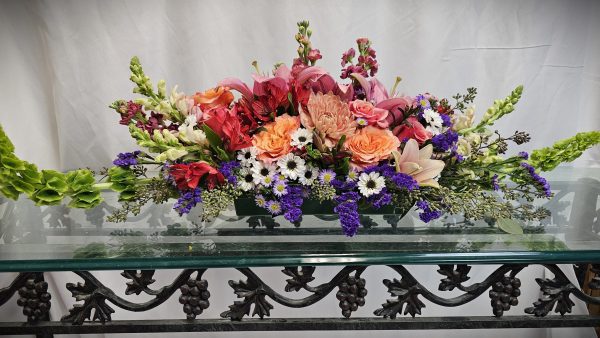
[(296, 141)]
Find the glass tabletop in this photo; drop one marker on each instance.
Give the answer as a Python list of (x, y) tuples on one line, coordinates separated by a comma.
[(56, 238)]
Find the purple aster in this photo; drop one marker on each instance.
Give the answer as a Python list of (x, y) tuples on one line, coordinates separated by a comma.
[(539, 180), (422, 102), (524, 155), (326, 176), (405, 181), (273, 207), (127, 159), (427, 215), (260, 200), (187, 201), (495, 182), (445, 141), (228, 170)]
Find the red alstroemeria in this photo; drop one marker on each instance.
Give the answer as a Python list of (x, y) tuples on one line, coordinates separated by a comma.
[(187, 176), (227, 124)]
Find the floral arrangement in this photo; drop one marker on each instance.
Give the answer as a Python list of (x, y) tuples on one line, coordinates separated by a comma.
[(296, 134)]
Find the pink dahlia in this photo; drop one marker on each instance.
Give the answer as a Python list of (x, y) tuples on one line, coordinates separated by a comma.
[(329, 116)]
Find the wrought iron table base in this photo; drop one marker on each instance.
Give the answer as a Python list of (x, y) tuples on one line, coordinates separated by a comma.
[(93, 313)]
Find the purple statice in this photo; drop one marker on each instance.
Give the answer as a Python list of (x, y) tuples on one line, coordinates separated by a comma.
[(127, 159), (543, 184), (405, 181), (347, 209), (459, 158), (385, 169), (292, 202), (446, 120), (427, 215), (228, 170), (495, 182), (445, 141), (187, 201), (343, 185), (381, 199), (524, 155)]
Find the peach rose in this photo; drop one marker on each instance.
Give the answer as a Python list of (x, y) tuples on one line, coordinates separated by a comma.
[(366, 110), (370, 145), (215, 97), (274, 142), (329, 116)]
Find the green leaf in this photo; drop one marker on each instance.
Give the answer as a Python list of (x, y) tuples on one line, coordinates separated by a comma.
[(340, 143), (510, 226), (212, 137)]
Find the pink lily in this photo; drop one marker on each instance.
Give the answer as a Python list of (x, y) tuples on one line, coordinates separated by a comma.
[(418, 163)]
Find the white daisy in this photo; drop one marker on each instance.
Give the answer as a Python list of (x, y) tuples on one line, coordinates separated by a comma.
[(301, 137), (309, 176), (434, 121), (263, 173), (247, 156), (370, 184), (291, 166), (246, 180)]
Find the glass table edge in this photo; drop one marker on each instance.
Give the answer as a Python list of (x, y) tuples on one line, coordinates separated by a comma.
[(404, 258)]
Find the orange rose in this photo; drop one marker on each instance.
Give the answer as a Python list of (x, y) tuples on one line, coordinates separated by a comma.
[(370, 145), (274, 142), (215, 97)]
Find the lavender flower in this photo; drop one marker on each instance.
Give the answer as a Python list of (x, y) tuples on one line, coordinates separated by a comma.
[(495, 182), (380, 200), (127, 159), (293, 215), (427, 215), (446, 120), (405, 181), (384, 169), (228, 168), (539, 180), (445, 141), (347, 209), (187, 201), (524, 155)]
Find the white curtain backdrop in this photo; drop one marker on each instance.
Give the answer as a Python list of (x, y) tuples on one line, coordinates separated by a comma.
[(63, 62)]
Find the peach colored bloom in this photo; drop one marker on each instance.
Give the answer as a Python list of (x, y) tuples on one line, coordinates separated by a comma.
[(215, 97), (274, 141), (418, 163), (329, 116), (366, 110), (370, 145)]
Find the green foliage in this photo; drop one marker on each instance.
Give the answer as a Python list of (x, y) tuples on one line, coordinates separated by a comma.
[(216, 143), (566, 150)]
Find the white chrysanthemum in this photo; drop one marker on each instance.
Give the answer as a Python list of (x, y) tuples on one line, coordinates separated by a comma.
[(434, 121), (370, 184), (246, 180), (291, 166), (247, 156), (262, 171), (301, 137), (310, 174)]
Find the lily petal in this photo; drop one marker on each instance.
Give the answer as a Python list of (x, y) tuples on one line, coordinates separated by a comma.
[(237, 84), (426, 152), (363, 83)]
